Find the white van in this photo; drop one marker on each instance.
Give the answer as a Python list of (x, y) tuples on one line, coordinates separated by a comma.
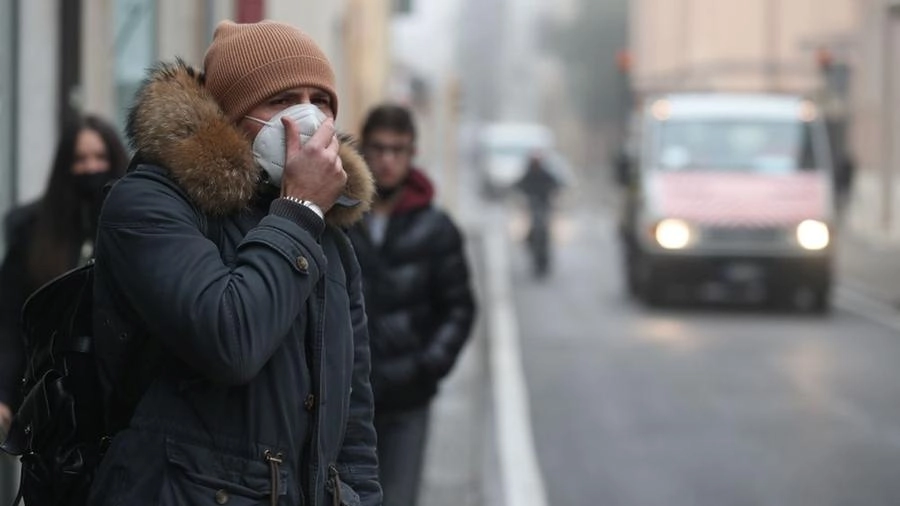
[(729, 195)]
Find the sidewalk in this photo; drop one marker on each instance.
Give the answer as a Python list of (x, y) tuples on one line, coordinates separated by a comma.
[(868, 259), (865, 213), (869, 267), (455, 461)]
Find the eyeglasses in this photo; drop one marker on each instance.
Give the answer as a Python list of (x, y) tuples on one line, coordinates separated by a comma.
[(378, 149)]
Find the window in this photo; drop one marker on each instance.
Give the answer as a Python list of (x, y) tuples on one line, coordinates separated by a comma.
[(135, 46), (763, 146)]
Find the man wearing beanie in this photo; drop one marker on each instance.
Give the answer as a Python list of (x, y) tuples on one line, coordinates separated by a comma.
[(418, 295), (221, 260)]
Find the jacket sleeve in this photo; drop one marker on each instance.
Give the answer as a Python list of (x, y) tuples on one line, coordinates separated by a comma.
[(453, 300), (224, 322), (358, 463)]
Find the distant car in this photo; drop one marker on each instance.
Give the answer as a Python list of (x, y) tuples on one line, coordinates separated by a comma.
[(731, 194), (503, 150)]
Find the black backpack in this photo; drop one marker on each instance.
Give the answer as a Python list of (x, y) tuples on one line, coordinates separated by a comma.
[(81, 386), (58, 429)]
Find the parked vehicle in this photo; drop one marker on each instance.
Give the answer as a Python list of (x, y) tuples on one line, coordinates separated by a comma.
[(729, 196)]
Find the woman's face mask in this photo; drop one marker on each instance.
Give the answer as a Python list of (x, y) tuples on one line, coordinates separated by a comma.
[(269, 144), (90, 186)]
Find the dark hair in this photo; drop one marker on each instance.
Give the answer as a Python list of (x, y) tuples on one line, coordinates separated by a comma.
[(389, 117), (62, 224)]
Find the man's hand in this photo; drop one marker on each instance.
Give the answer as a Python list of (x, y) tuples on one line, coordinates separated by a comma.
[(314, 171), (5, 421)]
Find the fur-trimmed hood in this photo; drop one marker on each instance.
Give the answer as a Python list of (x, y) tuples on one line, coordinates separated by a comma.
[(176, 123)]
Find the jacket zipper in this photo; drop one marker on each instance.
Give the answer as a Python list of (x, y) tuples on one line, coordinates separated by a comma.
[(274, 460), (320, 344)]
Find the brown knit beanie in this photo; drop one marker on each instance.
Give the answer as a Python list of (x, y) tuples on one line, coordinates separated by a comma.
[(247, 63)]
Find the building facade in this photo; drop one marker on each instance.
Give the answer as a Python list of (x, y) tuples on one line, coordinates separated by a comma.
[(72, 56), (760, 45), (876, 135), (427, 70)]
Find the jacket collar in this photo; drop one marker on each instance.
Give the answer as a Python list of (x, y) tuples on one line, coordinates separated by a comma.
[(176, 123)]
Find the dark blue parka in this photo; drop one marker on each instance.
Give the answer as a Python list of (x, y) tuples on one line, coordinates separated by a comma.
[(257, 309)]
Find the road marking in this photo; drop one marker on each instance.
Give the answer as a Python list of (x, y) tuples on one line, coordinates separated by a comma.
[(521, 480), (860, 304)]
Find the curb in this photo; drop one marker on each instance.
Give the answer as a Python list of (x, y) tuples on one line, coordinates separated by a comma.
[(864, 266), (520, 479)]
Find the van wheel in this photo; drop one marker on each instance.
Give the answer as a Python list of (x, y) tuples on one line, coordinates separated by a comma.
[(647, 284), (782, 297), (816, 300), (652, 291), (632, 272), (820, 300)]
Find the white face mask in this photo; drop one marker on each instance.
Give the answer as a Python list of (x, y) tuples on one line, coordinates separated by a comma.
[(269, 144)]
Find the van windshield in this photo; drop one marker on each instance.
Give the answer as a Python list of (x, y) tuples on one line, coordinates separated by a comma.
[(763, 146)]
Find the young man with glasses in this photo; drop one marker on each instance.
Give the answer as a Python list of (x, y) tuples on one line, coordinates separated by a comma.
[(418, 298)]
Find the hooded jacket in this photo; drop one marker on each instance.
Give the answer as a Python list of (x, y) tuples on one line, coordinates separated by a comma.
[(261, 394), (421, 306)]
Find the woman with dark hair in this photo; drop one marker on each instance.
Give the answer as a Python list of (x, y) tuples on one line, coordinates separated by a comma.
[(53, 235)]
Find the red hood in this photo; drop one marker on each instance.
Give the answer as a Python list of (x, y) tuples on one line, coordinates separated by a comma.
[(418, 192), (741, 199)]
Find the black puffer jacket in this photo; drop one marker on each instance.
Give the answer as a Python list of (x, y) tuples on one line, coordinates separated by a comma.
[(257, 308), (15, 286), (418, 297)]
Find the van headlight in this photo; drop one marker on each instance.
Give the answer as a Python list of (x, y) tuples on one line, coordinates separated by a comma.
[(813, 235), (672, 234)]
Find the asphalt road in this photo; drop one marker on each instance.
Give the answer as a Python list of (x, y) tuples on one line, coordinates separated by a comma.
[(700, 405)]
